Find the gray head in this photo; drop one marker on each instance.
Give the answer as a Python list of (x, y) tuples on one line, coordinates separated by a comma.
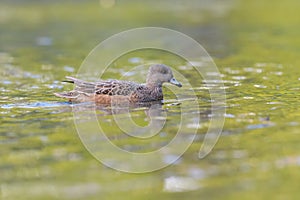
[(159, 74)]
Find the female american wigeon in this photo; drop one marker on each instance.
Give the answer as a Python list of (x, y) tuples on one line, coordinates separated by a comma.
[(108, 91)]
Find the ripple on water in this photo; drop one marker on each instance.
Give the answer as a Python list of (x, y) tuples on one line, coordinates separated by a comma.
[(248, 97), (260, 86), (253, 70), (35, 105), (135, 60), (239, 77), (288, 161), (69, 68), (180, 184), (6, 82), (44, 41)]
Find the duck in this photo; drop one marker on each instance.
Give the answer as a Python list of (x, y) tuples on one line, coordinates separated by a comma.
[(118, 91)]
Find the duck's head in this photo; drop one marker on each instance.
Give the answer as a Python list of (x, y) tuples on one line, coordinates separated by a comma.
[(159, 74)]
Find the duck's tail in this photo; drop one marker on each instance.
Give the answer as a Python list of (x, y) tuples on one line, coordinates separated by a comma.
[(83, 90), (68, 95), (71, 95)]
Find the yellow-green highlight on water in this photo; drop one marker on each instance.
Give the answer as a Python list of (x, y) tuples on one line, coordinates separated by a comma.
[(255, 45)]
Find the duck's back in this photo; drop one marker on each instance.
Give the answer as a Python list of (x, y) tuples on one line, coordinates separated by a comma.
[(106, 91), (105, 87)]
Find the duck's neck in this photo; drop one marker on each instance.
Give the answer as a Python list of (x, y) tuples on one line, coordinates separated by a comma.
[(153, 81), (152, 85), (155, 90)]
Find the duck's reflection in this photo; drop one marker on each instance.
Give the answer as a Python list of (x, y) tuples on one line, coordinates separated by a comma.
[(122, 114), (115, 108)]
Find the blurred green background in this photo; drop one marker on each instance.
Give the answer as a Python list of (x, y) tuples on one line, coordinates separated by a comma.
[(256, 47)]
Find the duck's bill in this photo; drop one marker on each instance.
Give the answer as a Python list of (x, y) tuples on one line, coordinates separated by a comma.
[(175, 82)]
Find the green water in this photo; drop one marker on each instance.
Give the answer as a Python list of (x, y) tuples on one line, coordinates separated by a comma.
[(256, 47)]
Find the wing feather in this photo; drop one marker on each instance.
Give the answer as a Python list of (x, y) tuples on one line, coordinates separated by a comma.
[(107, 87)]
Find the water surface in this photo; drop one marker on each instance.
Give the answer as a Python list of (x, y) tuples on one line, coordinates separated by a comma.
[(256, 48)]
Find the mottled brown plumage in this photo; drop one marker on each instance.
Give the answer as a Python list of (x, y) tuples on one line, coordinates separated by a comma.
[(117, 91)]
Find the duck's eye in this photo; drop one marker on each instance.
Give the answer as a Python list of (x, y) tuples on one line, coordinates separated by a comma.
[(164, 71)]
